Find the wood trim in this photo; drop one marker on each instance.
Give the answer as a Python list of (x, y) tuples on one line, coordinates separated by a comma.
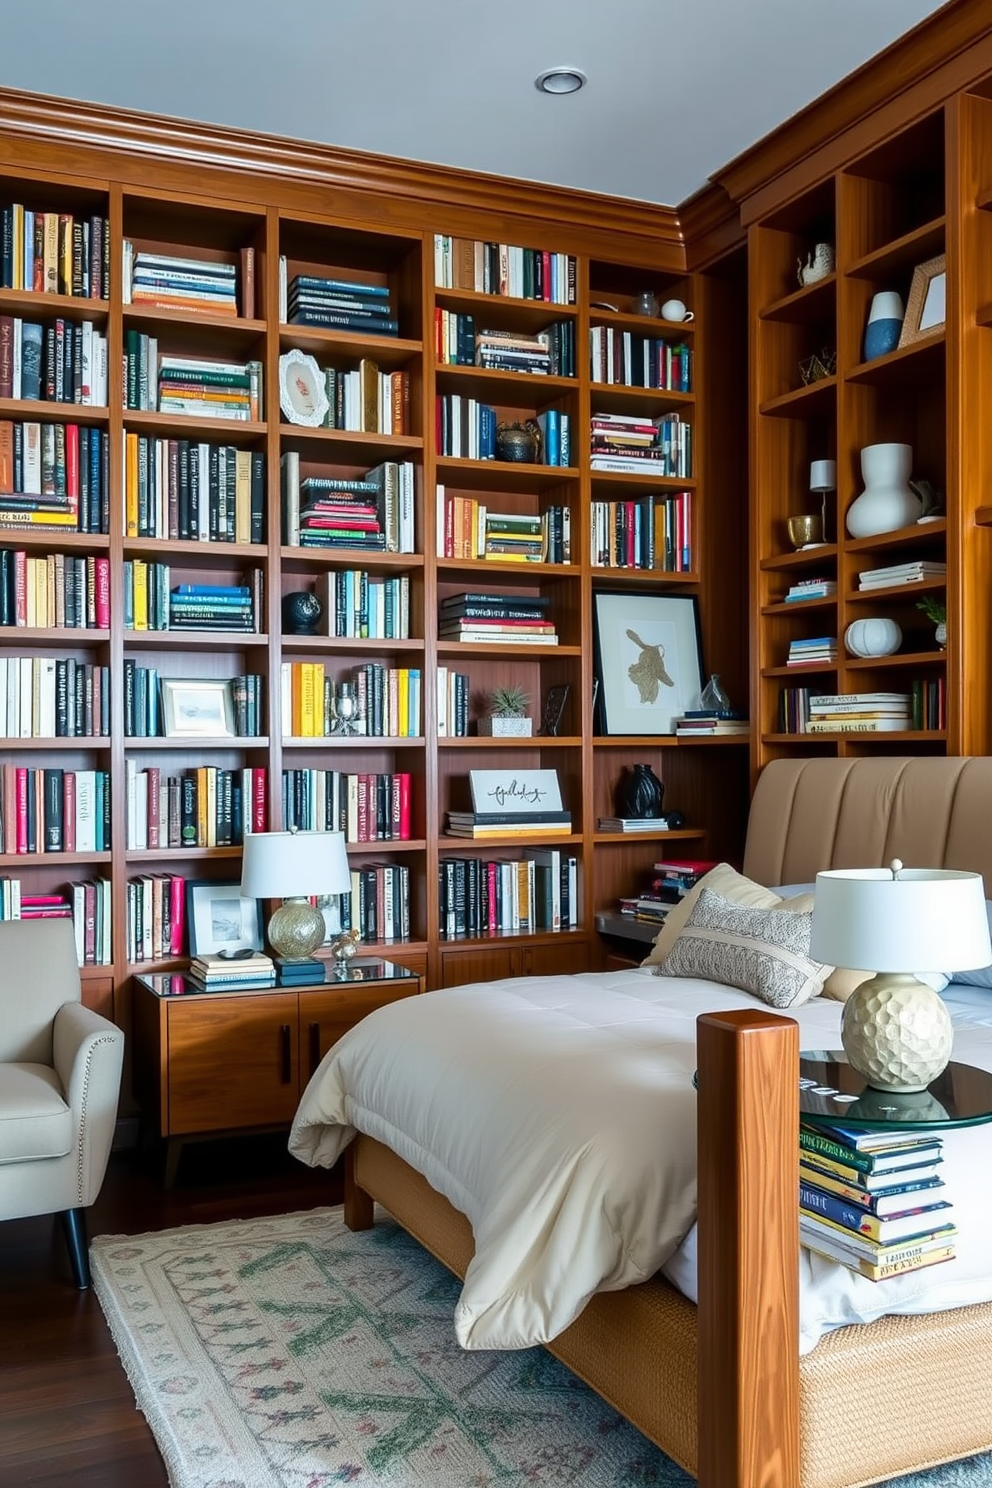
[(711, 226), (959, 30)]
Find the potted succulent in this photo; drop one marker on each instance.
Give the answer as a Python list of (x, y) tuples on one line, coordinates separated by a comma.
[(507, 714), (935, 609)]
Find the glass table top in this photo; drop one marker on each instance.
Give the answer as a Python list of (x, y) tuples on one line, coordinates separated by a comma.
[(831, 1092), (335, 974)]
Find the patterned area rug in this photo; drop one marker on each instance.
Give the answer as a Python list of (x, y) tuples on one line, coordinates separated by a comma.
[(289, 1353)]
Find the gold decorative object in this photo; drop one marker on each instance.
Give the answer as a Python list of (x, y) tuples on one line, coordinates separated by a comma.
[(822, 363), (805, 530)]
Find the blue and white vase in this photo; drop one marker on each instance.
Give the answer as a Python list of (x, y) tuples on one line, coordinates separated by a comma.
[(884, 326)]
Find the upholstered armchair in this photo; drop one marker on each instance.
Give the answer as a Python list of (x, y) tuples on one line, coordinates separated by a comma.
[(60, 1076)]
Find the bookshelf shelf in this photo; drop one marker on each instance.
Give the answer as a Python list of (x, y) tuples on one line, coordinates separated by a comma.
[(810, 400), (56, 860), (32, 304), (183, 640), (353, 741), (529, 741), (502, 475), (43, 745), (47, 411), (674, 834), (902, 253), (370, 447), (156, 741), (33, 635), (189, 426)]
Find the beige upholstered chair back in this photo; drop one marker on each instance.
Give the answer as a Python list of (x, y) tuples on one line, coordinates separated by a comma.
[(38, 973), (810, 814)]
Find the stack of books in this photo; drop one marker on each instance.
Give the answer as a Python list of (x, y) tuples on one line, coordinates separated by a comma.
[(373, 511), (813, 649), (626, 444), (859, 712), (873, 1200), (348, 304), (811, 589), (513, 351), (211, 607), (710, 723), (512, 804), (671, 881), (300, 973), (514, 537), (633, 824), (220, 973), (508, 824), (900, 573), (193, 385), (499, 619), (172, 283)]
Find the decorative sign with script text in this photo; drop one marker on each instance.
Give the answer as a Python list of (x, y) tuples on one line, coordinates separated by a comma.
[(513, 791)]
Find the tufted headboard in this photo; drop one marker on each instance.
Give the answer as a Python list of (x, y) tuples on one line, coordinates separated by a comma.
[(809, 814)]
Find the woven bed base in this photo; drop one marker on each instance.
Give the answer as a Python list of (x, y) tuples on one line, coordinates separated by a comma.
[(876, 1400)]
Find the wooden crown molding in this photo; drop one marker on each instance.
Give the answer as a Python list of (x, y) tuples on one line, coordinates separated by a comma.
[(30, 116), (926, 49), (711, 226)]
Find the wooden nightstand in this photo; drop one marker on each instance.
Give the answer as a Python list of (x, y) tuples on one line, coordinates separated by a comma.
[(222, 1062)]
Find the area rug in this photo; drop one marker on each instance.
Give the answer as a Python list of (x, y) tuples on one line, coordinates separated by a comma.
[(289, 1353)]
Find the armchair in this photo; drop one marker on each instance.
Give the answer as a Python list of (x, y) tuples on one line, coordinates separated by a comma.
[(60, 1075)]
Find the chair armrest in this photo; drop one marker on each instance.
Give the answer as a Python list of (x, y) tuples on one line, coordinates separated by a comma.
[(88, 1056)]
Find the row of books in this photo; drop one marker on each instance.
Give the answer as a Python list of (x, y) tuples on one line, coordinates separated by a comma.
[(54, 475), (378, 905), (389, 701), (366, 807), (480, 896), (874, 1200), (453, 694), (155, 906), (651, 532), (50, 697), (467, 528), (344, 304), (54, 590), (624, 444), (373, 511), (811, 588), (189, 490), (496, 619), (811, 650), (54, 810), (53, 362), (366, 400), (54, 253), (364, 606), (626, 359), (151, 604), (87, 904), (503, 269), (928, 708), (205, 806), (168, 281), (913, 572), (184, 384), (547, 352), (144, 713), (858, 712)]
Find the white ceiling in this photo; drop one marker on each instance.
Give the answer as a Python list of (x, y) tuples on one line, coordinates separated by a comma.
[(675, 90)]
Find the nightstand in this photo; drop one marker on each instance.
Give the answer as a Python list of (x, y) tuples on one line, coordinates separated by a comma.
[(220, 1062)]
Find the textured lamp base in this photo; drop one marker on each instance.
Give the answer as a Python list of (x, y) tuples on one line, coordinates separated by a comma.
[(296, 930), (896, 1032)]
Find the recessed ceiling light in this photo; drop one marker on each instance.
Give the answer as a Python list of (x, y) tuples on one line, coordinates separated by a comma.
[(560, 80)]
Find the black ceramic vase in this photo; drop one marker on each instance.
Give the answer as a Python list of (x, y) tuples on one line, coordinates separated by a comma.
[(301, 612), (640, 793)]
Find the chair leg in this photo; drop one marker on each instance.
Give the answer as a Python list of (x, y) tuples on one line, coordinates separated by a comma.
[(74, 1227)]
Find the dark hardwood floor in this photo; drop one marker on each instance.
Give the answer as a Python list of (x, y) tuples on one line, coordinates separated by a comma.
[(67, 1414)]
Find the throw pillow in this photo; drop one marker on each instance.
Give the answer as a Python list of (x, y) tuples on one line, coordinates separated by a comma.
[(763, 951), (732, 885)]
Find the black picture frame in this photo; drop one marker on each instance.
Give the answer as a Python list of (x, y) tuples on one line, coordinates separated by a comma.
[(649, 661)]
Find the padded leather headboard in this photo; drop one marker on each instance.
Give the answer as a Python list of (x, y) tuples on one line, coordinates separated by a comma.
[(809, 814)]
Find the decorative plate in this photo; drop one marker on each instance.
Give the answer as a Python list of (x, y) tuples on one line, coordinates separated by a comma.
[(301, 389)]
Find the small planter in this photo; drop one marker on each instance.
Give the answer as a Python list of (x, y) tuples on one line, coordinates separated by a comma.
[(506, 728)]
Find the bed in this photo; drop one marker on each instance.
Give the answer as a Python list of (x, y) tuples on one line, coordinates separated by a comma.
[(719, 1383)]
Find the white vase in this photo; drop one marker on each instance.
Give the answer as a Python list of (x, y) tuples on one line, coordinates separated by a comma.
[(876, 635), (887, 501)]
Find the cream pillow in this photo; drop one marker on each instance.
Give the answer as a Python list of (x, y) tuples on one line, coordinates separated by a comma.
[(762, 951), (732, 885)]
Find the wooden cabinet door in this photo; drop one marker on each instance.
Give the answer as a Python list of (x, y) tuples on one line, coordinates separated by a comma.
[(567, 958), (486, 965), (233, 1062), (325, 1015)]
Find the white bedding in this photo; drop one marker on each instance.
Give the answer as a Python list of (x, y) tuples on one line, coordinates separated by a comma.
[(563, 1126)]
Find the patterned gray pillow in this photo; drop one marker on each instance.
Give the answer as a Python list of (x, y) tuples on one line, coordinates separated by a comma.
[(764, 951)]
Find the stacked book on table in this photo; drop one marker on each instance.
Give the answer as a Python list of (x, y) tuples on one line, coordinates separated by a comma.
[(874, 1199), (497, 619), (221, 973), (671, 881), (811, 589), (859, 713), (708, 723), (807, 651), (900, 573), (633, 824)]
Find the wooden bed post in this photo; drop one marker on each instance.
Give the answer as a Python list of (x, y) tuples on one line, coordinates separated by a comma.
[(748, 1264), (359, 1206)]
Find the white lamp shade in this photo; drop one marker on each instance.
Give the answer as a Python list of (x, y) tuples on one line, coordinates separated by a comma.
[(287, 865), (823, 475), (926, 919)]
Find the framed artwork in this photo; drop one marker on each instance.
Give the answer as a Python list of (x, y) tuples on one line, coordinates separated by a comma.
[(197, 708), (926, 308), (221, 919), (302, 397), (647, 660)]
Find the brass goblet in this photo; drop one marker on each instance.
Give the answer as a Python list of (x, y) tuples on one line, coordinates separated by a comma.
[(805, 531)]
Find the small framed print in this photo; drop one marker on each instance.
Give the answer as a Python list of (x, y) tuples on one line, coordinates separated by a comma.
[(221, 919), (302, 397), (926, 308), (197, 708), (647, 660)]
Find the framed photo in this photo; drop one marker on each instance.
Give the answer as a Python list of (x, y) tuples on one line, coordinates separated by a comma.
[(647, 660), (220, 919), (197, 708), (926, 308), (301, 390)]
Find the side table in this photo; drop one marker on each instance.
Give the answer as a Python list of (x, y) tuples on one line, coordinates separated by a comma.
[(831, 1092)]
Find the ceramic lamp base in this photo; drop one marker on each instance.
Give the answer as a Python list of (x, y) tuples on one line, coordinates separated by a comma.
[(296, 930), (896, 1032)]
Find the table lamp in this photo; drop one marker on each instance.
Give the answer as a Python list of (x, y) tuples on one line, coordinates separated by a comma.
[(897, 921), (823, 479), (292, 866)]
